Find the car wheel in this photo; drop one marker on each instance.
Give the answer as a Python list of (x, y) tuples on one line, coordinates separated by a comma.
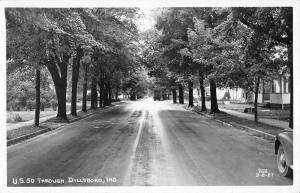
[(283, 168)]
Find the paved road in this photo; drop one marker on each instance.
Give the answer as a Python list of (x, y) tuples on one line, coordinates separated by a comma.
[(143, 143)]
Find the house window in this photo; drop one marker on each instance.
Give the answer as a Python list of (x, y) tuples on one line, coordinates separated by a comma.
[(286, 85), (267, 87), (260, 87), (275, 86), (283, 84)]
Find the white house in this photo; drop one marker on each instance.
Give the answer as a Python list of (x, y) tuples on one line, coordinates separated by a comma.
[(275, 92), (237, 95)]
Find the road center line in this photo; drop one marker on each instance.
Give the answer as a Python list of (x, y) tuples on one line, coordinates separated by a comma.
[(134, 148)]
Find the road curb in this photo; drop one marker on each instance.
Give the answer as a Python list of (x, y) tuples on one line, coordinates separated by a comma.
[(31, 135), (253, 131), (28, 136)]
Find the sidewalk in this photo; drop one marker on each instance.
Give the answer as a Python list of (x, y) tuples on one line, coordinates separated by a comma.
[(30, 122), (265, 128), (271, 122)]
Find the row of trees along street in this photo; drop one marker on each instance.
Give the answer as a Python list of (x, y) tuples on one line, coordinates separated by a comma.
[(226, 47), (188, 47), (98, 46)]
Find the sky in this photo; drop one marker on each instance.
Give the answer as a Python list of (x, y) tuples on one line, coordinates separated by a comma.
[(146, 21)]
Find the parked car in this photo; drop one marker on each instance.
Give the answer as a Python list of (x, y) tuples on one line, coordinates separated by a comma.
[(284, 152)]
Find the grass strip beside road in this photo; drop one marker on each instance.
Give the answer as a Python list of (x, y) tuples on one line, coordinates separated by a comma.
[(269, 113), (50, 124), (26, 132), (237, 121)]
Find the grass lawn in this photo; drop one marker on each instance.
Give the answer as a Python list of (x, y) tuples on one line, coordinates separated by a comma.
[(237, 121), (29, 115), (236, 107), (51, 123), (279, 114), (270, 113)]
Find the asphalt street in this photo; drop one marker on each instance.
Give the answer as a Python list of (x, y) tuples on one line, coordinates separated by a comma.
[(143, 143)]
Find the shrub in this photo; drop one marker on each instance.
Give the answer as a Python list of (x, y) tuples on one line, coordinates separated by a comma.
[(13, 118), (30, 104), (43, 104), (14, 105), (54, 104), (226, 96)]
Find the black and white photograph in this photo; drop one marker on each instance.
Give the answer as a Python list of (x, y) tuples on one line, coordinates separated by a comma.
[(129, 97)]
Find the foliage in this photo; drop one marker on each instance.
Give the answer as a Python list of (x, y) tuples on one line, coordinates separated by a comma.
[(30, 104), (174, 23), (21, 88), (38, 36), (234, 47), (274, 22), (13, 118), (53, 103), (154, 60), (136, 86)]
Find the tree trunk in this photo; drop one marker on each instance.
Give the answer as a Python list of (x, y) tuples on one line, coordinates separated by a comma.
[(101, 93), (101, 86), (104, 90), (84, 89), (58, 68), (59, 78), (202, 90), (117, 93), (112, 95), (94, 93), (181, 99), (191, 97), (109, 94), (213, 97), (104, 95), (37, 97), (255, 100), (61, 99), (174, 93), (290, 64), (75, 75)]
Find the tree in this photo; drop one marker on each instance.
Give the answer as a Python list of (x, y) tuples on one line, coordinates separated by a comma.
[(275, 23), (174, 23), (205, 50), (115, 28), (61, 30), (155, 63), (258, 62), (25, 47), (37, 99), (86, 60), (75, 75), (136, 86), (250, 53)]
